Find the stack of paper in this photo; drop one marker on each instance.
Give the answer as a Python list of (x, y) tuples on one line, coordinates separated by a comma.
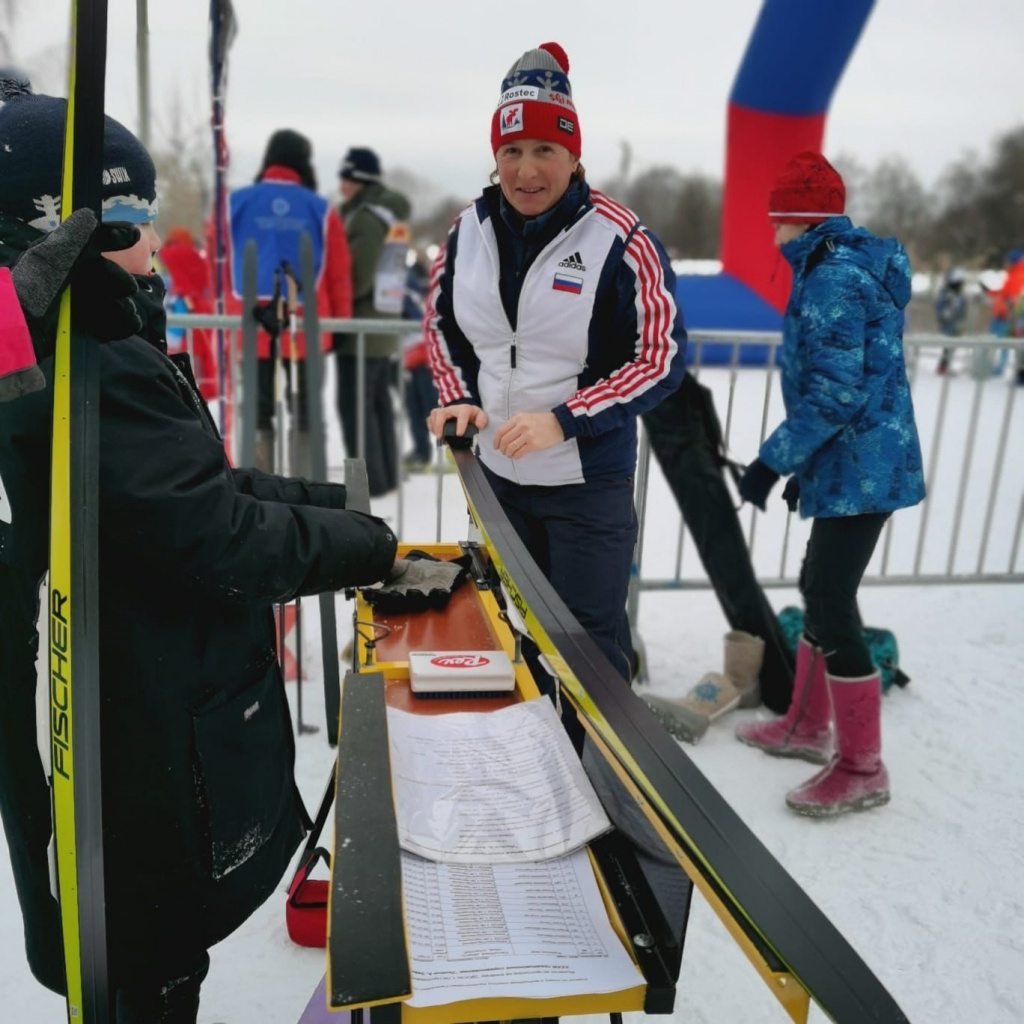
[(491, 787), (494, 810)]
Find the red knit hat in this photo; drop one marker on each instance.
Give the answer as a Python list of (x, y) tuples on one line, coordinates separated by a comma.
[(536, 101), (808, 191)]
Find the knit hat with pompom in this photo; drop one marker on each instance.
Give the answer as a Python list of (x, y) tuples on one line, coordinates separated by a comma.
[(536, 101)]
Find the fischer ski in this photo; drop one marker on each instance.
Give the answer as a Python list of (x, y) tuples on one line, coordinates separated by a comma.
[(74, 564), (779, 928), (223, 29)]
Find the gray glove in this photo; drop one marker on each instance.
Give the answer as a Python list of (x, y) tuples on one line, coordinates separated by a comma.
[(420, 574), (72, 252), (417, 584)]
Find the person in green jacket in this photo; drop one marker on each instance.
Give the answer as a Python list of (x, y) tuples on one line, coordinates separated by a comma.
[(374, 216)]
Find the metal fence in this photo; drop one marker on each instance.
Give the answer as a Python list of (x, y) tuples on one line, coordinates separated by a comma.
[(231, 329), (968, 530)]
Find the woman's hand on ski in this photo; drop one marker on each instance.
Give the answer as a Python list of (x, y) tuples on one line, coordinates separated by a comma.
[(462, 414), (528, 432)]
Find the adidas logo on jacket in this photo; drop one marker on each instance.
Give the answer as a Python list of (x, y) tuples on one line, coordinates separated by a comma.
[(573, 262)]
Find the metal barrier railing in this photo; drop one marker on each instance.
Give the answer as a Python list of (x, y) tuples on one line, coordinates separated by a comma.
[(924, 545), (909, 553), (231, 325)]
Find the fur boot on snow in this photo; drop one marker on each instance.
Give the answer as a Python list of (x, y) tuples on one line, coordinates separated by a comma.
[(688, 718), (855, 779), (804, 731)]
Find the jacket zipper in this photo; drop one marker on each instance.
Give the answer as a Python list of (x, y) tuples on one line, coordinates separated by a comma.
[(519, 306)]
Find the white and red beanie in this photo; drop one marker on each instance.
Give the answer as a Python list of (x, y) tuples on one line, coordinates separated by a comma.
[(808, 191), (536, 101)]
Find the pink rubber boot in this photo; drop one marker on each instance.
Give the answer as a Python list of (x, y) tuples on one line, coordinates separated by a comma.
[(856, 779), (804, 729)]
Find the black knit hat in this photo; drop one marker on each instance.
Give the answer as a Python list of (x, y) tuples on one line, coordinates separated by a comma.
[(32, 156), (361, 165), (293, 150)]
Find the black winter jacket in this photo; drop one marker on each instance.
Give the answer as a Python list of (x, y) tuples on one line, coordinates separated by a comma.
[(201, 814)]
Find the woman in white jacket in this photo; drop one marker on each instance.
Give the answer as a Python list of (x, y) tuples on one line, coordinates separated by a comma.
[(551, 325)]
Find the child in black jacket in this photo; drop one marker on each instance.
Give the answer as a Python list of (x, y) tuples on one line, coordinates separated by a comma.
[(200, 810)]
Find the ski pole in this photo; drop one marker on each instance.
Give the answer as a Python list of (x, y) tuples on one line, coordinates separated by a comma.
[(276, 356), (289, 316)]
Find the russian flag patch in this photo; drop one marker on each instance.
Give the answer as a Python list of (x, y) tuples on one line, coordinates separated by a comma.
[(568, 283)]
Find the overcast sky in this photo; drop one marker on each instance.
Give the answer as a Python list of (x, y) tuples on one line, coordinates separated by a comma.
[(418, 81)]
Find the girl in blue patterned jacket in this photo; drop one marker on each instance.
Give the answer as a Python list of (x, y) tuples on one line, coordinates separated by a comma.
[(551, 325), (850, 442)]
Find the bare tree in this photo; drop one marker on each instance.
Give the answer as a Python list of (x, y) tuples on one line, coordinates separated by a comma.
[(683, 210), (432, 229), (183, 167), (653, 196), (955, 234), (695, 231), (978, 206), (618, 185), (855, 177), (423, 194), (1000, 205), (897, 203)]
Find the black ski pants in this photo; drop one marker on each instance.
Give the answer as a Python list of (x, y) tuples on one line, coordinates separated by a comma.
[(174, 1001), (838, 552), (381, 444), (582, 537), (420, 399)]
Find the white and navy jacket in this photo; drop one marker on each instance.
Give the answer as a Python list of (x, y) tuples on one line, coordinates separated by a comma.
[(587, 327)]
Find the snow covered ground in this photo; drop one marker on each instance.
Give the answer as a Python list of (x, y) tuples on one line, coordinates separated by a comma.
[(929, 890)]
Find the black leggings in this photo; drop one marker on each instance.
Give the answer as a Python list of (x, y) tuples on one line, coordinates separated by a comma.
[(173, 1002), (837, 555)]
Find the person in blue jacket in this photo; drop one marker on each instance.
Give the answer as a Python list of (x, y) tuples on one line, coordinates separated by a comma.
[(850, 443), (551, 325)]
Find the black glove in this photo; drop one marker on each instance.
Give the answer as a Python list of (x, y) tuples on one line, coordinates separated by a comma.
[(418, 582), (791, 493), (756, 483), (103, 308), (266, 316)]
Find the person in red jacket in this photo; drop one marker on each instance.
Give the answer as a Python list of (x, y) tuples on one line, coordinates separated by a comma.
[(189, 291), (275, 211), (1005, 302)]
